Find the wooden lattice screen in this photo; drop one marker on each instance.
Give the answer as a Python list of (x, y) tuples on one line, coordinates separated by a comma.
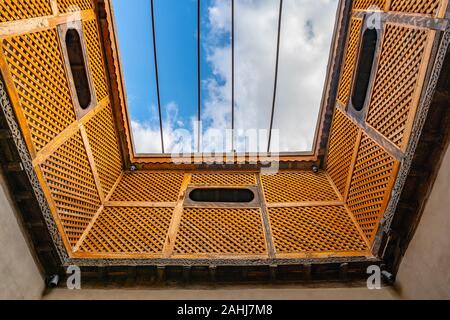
[(11, 10), (398, 82), (67, 6), (103, 211)]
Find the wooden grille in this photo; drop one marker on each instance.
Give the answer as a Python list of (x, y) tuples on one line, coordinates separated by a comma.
[(37, 68), (96, 62), (221, 232), (228, 179), (314, 229), (11, 10), (350, 61), (66, 6), (129, 231), (429, 7), (149, 187), (298, 187), (369, 189), (341, 148), (396, 82), (105, 148), (366, 4), (69, 177)]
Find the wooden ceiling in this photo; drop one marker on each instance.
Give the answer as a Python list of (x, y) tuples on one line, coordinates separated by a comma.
[(103, 211)]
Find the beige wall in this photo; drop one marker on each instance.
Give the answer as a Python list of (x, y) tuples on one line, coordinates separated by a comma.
[(425, 269), (20, 277)]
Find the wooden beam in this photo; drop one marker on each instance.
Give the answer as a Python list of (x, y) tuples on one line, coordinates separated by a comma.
[(15, 28), (92, 163), (176, 219)]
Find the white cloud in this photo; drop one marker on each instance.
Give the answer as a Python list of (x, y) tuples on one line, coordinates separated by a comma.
[(147, 136), (307, 28)]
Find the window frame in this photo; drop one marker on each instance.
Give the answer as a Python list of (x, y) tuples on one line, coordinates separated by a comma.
[(62, 32)]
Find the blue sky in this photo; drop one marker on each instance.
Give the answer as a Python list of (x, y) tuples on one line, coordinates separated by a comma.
[(306, 35)]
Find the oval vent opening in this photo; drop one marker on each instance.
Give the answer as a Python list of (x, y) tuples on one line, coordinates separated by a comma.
[(222, 195), (78, 68)]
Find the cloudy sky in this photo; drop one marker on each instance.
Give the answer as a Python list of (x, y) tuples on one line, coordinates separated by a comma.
[(306, 31)]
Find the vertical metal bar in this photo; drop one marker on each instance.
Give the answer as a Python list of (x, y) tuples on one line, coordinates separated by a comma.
[(232, 79), (157, 77), (280, 15), (199, 118)]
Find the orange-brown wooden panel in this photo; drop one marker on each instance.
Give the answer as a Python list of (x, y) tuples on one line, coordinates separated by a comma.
[(96, 62), (314, 230), (429, 7), (37, 68), (225, 179), (394, 97), (300, 186), (103, 141), (351, 57), (68, 176), (128, 231), (371, 185), (146, 186), (367, 4), (341, 149), (220, 232), (66, 6), (11, 10)]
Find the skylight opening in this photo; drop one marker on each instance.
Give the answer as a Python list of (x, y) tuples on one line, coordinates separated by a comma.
[(252, 72)]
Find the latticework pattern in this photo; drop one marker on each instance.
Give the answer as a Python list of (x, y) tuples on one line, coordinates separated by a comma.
[(149, 187), (221, 232), (36, 64), (341, 148), (226, 179), (366, 4), (66, 6), (369, 187), (314, 229), (298, 187), (11, 10), (69, 177), (396, 81), (429, 7), (96, 62), (105, 148), (350, 61), (129, 230)]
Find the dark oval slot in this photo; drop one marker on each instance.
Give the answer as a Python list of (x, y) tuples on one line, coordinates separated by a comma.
[(78, 67), (364, 70), (222, 195)]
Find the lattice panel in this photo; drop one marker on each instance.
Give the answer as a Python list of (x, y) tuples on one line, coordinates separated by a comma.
[(149, 187), (227, 179), (105, 148), (341, 148), (430, 7), (66, 6), (221, 232), (11, 10), (350, 61), (69, 177), (314, 229), (37, 68), (96, 62), (396, 82), (366, 4), (129, 231), (298, 187), (372, 174)]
